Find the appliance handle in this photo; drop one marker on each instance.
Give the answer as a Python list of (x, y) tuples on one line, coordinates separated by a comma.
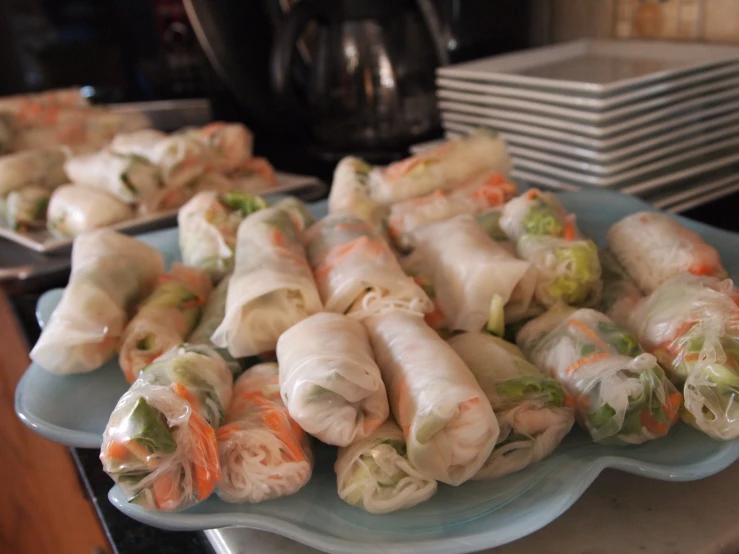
[(284, 49)]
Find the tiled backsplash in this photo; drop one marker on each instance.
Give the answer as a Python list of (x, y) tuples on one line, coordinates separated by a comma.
[(697, 20)]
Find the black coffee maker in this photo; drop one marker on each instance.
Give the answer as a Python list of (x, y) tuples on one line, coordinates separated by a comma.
[(320, 79)]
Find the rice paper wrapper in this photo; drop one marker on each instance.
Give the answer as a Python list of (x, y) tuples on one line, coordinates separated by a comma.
[(272, 287), (440, 168), (374, 473), (264, 453), (160, 443), (448, 423), (350, 194), (110, 273), (329, 380), (356, 269), (467, 269), (653, 247), (621, 395), (75, 209), (41, 168), (26, 208)]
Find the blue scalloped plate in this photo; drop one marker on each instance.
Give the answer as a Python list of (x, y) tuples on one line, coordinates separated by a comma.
[(74, 411)]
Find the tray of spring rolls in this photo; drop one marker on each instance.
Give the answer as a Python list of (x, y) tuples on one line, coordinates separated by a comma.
[(128, 177), (435, 342)]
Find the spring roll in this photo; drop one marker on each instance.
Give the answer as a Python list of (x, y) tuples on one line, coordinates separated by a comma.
[(356, 270), (691, 323), (272, 287), (477, 196), (375, 474), (75, 209), (181, 158), (329, 380), (621, 394), (531, 407), (448, 423), (441, 168), (212, 316), (350, 194), (164, 319), (477, 282), (231, 144), (548, 237), (620, 293), (255, 175), (264, 453), (653, 247), (43, 168), (131, 179), (160, 443), (25, 208), (110, 274), (208, 224), (138, 143)]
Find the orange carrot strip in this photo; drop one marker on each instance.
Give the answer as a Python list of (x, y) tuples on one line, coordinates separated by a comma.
[(182, 391), (672, 406), (651, 424), (586, 360), (166, 490), (585, 330), (206, 463), (116, 451)]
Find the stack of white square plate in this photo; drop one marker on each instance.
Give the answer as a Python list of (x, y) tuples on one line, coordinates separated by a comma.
[(648, 118)]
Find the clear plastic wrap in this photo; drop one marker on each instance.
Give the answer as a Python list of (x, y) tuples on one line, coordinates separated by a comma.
[(329, 380), (691, 323), (130, 178), (475, 197), (467, 270), (653, 247), (350, 194), (447, 420), (25, 208), (441, 168), (44, 168), (356, 270), (264, 453), (160, 443), (533, 410), (272, 286), (620, 293), (163, 319), (208, 224), (75, 209), (622, 395), (548, 237), (110, 274), (374, 473)]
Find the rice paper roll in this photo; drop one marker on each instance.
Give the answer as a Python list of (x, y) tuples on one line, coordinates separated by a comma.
[(164, 318), (691, 324), (160, 443), (212, 316), (620, 293), (25, 208), (374, 473), (356, 270), (350, 194), (479, 195), (208, 224), (298, 212), (329, 380), (653, 247), (440, 168), (110, 274), (138, 143), (75, 209), (41, 168), (448, 424), (477, 282), (621, 394), (131, 179), (264, 453), (533, 410), (181, 158), (272, 287), (231, 143), (547, 236), (255, 175)]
